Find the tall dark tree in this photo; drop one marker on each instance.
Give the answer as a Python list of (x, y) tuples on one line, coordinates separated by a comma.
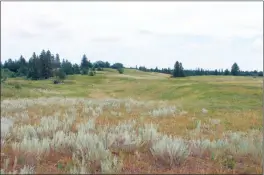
[(235, 69), (49, 64), (57, 61), (226, 72), (76, 69), (53, 62), (107, 64), (85, 64), (34, 67), (11, 65), (23, 69), (215, 72), (176, 71), (181, 70), (66, 66), (46, 65)]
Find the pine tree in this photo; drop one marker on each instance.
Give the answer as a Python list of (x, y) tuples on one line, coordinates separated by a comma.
[(34, 66), (226, 72), (49, 64), (215, 72), (181, 70), (66, 66), (178, 70), (76, 69), (84, 63), (23, 69), (57, 61), (235, 69)]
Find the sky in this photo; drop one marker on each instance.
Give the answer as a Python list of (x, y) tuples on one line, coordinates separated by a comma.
[(210, 35)]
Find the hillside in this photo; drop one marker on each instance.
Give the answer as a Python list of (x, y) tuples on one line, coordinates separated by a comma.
[(193, 108)]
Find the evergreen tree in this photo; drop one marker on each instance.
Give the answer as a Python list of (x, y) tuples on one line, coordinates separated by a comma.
[(49, 64), (23, 69), (66, 66), (181, 70), (57, 61), (34, 67), (11, 65), (107, 64), (53, 62), (235, 69), (85, 64), (178, 70), (76, 69), (215, 72), (226, 72), (46, 64)]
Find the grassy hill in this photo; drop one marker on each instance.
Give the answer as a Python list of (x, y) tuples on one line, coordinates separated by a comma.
[(236, 102)]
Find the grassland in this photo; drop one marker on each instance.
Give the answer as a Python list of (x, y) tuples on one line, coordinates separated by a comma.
[(133, 123)]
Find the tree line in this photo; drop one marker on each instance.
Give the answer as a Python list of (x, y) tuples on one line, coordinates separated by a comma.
[(179, 71), (47, 65)]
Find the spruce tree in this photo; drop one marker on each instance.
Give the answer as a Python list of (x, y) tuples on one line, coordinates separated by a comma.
[(23, 69), (226, 72), (235, 69), (57, 61), (178, 70), (34, 66)]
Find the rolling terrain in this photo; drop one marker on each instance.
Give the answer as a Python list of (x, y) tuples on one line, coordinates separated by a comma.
[(136, 122)]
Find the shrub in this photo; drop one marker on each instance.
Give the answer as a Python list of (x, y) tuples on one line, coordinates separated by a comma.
[(120, 70), (91, 73), (61, 74), (170, 151), (18, 86)]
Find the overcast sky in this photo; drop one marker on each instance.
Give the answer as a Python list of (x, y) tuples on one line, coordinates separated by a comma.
[(198, 34)]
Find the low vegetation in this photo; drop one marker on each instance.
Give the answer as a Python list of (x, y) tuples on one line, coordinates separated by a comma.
[(103, 118), (80, 135)]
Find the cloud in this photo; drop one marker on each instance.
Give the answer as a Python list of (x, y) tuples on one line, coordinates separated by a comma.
[(45, 22), (205, 34)]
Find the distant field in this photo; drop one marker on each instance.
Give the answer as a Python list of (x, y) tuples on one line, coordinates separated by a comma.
[(122, 122)]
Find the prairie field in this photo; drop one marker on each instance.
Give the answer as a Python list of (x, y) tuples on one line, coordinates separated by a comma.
[(135, 122)]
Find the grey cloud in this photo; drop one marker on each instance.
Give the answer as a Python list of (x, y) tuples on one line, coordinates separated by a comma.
[(46, 23)]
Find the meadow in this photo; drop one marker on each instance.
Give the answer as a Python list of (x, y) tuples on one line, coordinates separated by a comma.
[(136, 122)]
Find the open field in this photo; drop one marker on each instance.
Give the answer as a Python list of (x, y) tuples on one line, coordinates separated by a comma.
[(133, 123)]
